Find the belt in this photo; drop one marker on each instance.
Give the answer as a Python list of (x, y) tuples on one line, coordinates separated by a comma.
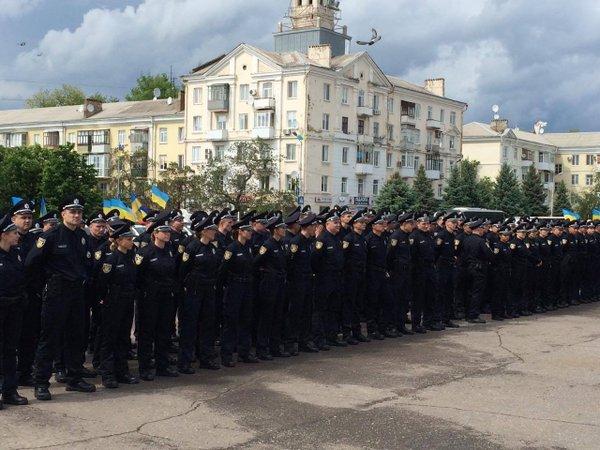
[(240, 279)]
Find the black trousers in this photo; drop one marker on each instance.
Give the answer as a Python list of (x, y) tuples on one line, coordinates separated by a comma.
[(63, 317), (461, 277), (423, 295), (115, 333), (545, 284), (355, 284), (378, 301), (237, 319), (477, 285), (270, 312), (556, 291), (11, 314), (445, 302), (500, 304), (197, 324), (299, 292), (30, 333), (156, 314), (401, 294), (328, 307), (570, 278), (519, 283)]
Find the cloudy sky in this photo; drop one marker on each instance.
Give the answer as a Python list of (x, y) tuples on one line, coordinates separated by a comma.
[(537, 60)]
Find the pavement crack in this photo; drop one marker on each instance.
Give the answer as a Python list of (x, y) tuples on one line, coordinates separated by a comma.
[(503, 347)]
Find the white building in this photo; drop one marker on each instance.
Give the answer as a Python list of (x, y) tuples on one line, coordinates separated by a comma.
[(340, 125)]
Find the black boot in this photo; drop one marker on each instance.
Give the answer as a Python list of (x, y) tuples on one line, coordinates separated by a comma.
[(42, 393), (13, 398), (80, 386)]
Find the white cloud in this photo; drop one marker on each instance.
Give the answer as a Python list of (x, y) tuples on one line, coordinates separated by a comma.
[(10, 9)]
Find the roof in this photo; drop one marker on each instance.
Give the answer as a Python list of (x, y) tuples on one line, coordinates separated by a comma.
[(115, 110), (478, 129), (484, 130), (575, 139)]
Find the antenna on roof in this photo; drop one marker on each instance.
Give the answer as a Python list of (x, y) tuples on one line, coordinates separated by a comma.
[(538, 127), (156, 93), (170, 101)]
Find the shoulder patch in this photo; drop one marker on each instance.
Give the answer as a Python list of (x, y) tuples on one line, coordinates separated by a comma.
[(496, 251), (185, 257), (181, 249), (411, 241), (138, 259), (549, 242), (227, 255), (82, 241), (40, 242), (346, 244), (98, 255), (318, 245), (293, 248), (564, 241), (456, 242), (394, 242), (106, 268), (527, 244), (262, 250), (215, 243), (440, 241), (88, 255), (144, 244), (513, 246)]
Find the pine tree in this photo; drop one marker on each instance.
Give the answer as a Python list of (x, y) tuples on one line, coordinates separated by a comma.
[(507, 192), (452, 192), (533, 194), (485, 192), (462, 189), (395, 195), (562, 199), (424, 196)]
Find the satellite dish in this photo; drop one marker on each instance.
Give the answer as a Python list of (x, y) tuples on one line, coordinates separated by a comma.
[(156, 92), (496, 116), (90, 108), (170, 101), (542, 131), (495, 108)]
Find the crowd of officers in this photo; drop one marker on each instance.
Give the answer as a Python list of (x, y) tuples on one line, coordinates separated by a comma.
[(279, 284)]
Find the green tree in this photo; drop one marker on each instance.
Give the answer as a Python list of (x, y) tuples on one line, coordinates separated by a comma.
[(507, 192), (588, 199), (127, 175), (562, 199), (395, 195), (145, 85), (533, 195), (485, 193), (463, 187), (65, 95), (424, 196), (179, 183), (21, 172)]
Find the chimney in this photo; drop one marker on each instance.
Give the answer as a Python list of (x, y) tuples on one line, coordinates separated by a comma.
[(321, 54), (91, 107), (182, 100), (499, 125), (436, 86)]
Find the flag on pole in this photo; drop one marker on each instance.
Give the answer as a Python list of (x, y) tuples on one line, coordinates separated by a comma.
[(159, 197), (596, 214), (107, 205), (43, 209), (125, 212), (16, 200), (136, 207), (570, 215)]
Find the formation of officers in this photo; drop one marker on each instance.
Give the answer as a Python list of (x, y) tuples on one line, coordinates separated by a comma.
[(279, 284)]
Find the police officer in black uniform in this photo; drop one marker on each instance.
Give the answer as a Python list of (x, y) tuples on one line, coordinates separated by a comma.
[(501, 275), (445, 259), (557, 242), (520, 258), (198, 272), (545, 300), (64, 257), (236, 273), (12, 305), (570, 274), (422, 249)]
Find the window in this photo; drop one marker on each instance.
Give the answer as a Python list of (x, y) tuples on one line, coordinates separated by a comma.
[(361, 126), (451, 142), (376, 158), (243, 121), (361, 186), (221, 121), (376, 129), (376, 102), (244, 92), (590, 160), (361, 98), (162, 135), (197, 121), (558, 169), (452, 117), (219, 152), (505, 152), (344, 187), (326, 92), (363, 156), (575, 179), (264, 183), (375, 187), (208, 154), (197, 96), (288, 182), (292, 122), (324, 183), (417, 110), (388, 160), (36, 138), (180, 134), (589, 180), (430, 112), (439, 190), (266, 89), (121, 137), (442, 115), (345, 151), (162, 162), (390, 105), (325, 153), (263, 119), (290, 152), (196, 155), (390, 132), (71, 138), (575, 160), (181, 161), (325, 121), (345, 125), (515, 153), (292, 89), (345, 95)]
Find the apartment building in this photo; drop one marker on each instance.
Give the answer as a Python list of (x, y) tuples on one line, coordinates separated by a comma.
[(339, 125), (150, 130)]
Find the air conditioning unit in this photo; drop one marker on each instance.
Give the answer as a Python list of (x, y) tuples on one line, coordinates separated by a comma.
[(570, 158), (287, 132), (376, 112), (253, 92)]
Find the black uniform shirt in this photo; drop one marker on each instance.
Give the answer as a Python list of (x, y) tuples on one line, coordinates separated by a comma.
[(299, 256), (237, 262), (271, 257), (422, 248), (327, 257), (398, 255), (12, 275), (476, 250), (355, 252), (376, 252), (444, 247), (199, 264), (156, 266), (118, 274)]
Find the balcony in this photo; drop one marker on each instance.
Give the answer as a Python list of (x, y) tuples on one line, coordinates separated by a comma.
[(365, 139), (364, 169), (376, 112), (434, 124), (378, 140), (341, 136), (406, 119), (549, 185), (526, 162), (547, 166), (264, 133), (407, 172), (364, 111), (433, 148), (433, 174), (218, 97), (216, 135), (264, 103)]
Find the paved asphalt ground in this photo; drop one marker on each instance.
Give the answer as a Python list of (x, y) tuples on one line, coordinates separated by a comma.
[(527, 383)]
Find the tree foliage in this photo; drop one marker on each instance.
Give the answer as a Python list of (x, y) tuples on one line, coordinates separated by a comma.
[(507, 192), (127, 175), (180, 183), (589, 199), (463, 188), (533, 195), (395, 195), (562, 199), (424, 196), (65, 95), (145, 85)]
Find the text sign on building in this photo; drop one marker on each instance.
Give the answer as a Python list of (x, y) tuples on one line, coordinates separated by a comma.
[(362, 201)]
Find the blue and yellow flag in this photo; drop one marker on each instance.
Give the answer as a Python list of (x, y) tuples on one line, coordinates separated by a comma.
[(136, 207), (15, 200), (159, 197), (124, 210), (570, 215), (107, 205), (43, 209), (595, 214)]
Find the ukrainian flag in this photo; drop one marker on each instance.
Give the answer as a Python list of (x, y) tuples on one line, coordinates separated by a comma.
[(124, 210), (159, 197), (570, 215), (596, 214), (43, 209), (107, 205), (136, 207)]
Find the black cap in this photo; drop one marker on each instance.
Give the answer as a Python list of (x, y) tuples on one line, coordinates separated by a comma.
[(112, 214), (52, 216), (72, 202), (176, 214), (406, 217), (23, 207), (206, 223), (151, 215), (161, 223), (6, 224), (293, 217), (306, 209), (96, 217), (359, 216), (276, 222), (123, 230), (242, 224), (308, 219)]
